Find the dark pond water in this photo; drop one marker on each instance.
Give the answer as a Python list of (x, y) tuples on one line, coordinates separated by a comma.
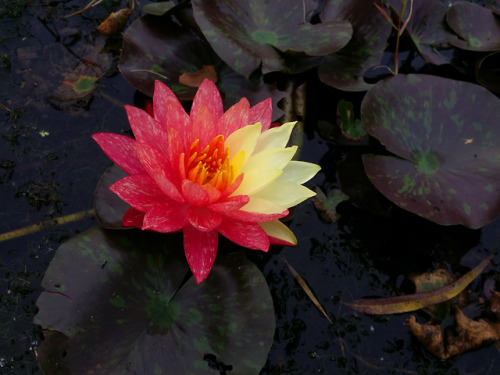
[(49, 167)]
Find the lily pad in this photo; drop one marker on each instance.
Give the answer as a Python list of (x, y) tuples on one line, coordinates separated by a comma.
[(115, 303), (345, 69), (157, 48), (426, 29), (246, 34), (478, 28), (447, 152)]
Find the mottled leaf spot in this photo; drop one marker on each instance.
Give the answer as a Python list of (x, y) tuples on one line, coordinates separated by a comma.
[(489, 188), (264, 37), (474, 42), (467, 209), (428, 163)]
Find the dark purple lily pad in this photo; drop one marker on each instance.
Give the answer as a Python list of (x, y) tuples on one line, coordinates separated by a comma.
[(115, 302), (478, 28), (345, 69), (444, 135), (156, 48), (426, 29), (246, 34)]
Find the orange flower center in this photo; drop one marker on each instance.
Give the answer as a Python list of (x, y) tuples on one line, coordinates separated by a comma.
[(210, 165)]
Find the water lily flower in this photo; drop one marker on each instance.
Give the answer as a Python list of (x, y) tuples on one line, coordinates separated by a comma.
[(208, 172)]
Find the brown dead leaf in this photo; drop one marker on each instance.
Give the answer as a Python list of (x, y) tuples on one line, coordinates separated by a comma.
[(413, 302), (467, 335), (114, 23), (195, 79)]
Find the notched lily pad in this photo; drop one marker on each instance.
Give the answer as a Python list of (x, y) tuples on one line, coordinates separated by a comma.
[(116, 302), (246, 34), (478, 28), (345, 68), (447, 155)]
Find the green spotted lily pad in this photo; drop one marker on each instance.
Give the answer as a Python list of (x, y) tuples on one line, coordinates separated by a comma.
[(157, 48), (248, 34), (444, 137), (345, 69), (426, 28), (477, 28), (117, 302)]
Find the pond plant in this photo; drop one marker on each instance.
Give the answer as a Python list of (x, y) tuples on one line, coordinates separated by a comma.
[(421, 124)]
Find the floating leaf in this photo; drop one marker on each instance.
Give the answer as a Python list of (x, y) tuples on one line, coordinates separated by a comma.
[(308, 291), (158, 9), (246, 34), (157, 48), (115, 22), (417, 301), (345, 69), (83, 85), (195, 79), (351, 127), (327, 205), (115, 302), (467, 335), (478, 28), (443, 133), (426, 29)]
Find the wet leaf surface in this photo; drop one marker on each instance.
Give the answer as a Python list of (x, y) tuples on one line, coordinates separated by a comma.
[(345, 69), (426, 29), (116, 302), (478, 28), (447, 156), (247, 35)]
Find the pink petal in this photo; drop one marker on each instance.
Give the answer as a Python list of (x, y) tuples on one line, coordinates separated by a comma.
[(229, 204), (249, 235), (232, 188), (168, 111), (157, 166), (133, 218), (203, 126), (208, 95), (119, 148), (146, 129), (139, 191), (213, 193), (255, 217), (201, 249), (194, 193), (165, 218), (176, 146), (234, 118), (202, 218), (263, 113)]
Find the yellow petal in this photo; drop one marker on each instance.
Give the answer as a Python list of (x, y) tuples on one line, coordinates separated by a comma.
[(299, 172), (274, 158), (285, 194), (257, 179), (263, 206), (275, 137), (279, 230), (243, 139)]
